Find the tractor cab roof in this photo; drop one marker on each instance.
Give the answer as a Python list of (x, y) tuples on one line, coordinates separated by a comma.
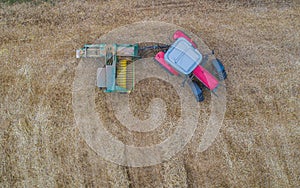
[(183, 56)]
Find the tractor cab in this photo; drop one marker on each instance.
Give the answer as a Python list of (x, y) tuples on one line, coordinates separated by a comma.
[(183, 56)]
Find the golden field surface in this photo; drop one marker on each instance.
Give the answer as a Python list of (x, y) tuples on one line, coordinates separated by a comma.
[(258, 142)]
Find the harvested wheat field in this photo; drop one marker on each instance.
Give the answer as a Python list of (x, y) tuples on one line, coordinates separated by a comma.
[(43, 145)]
